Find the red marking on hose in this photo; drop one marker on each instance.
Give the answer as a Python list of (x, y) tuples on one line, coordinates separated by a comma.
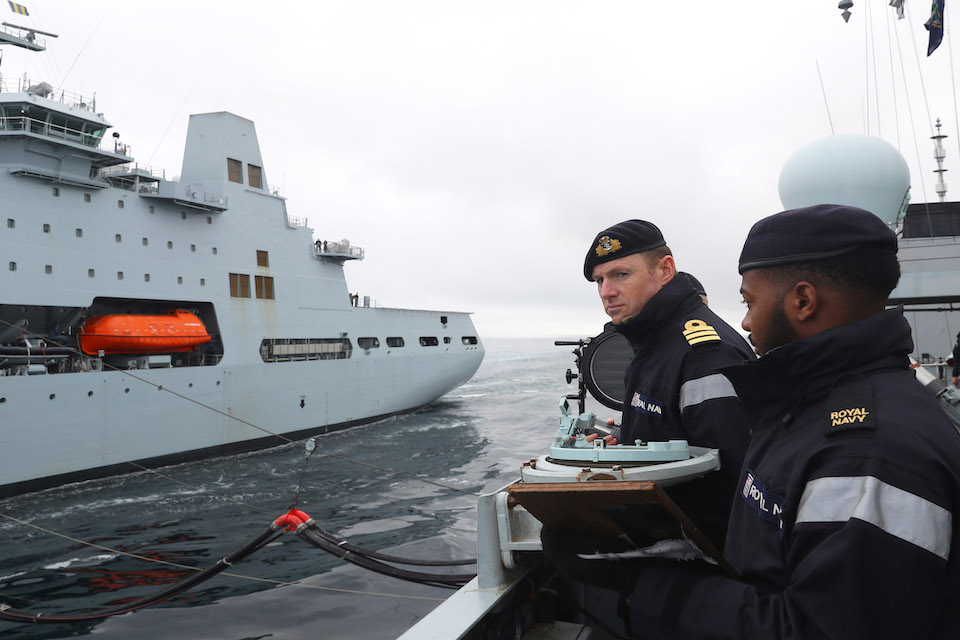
[(299, 514), (290, 521)]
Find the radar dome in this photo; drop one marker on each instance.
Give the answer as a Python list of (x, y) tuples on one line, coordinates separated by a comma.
[(852, 169)]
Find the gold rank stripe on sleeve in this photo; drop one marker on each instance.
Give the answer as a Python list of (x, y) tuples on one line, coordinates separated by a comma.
[(697, 331)]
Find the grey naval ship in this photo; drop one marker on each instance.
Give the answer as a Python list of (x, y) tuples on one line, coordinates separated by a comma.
[(146, 321)]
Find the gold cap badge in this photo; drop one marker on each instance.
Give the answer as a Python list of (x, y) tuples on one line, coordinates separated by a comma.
[(607, 245)]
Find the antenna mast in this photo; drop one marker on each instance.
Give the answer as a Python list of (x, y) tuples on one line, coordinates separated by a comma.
[(939, 153)]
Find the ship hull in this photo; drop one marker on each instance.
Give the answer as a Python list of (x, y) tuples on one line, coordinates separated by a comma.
[(290, 353)]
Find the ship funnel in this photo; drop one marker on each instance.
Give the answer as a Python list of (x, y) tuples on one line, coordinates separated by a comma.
[(852, 169)]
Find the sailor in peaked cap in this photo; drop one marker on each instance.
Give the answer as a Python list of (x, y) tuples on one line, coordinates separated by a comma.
[(678, 344)]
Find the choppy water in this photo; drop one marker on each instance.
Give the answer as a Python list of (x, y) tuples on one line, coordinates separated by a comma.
[(472, 440)]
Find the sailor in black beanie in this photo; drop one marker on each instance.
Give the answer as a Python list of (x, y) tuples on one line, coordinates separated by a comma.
[(673, 390), (843, 523)]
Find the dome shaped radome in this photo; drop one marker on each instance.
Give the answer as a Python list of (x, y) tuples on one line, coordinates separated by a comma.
[(852, 169)]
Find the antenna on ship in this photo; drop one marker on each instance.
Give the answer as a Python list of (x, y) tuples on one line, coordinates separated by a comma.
[(25, 37), (939, 153)]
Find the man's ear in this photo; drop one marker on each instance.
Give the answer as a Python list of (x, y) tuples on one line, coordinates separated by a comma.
[(666, 269), (802, 302)]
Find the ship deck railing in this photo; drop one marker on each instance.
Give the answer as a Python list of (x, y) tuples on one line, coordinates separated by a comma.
[(68, 98), (337, 250), (18, 124), (23, 37), (135, 177), (295, 223), (135, 168)]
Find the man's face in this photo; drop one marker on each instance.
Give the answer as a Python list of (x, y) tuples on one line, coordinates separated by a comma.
[(766, 321), (626, 284)]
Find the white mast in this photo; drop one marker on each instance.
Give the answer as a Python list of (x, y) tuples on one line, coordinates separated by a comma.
[(939, 153)]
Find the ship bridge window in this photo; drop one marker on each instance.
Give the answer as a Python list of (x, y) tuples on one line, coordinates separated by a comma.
[(292, 349), (469, 339), (395, 342), (234, 171), (368, 343), (255, 176), (93, 134), (67, 128), (264, 285), (239, 285), (429, 341)]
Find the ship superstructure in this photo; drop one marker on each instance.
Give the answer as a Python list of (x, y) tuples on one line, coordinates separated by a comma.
[(929, 288), (283, 348)]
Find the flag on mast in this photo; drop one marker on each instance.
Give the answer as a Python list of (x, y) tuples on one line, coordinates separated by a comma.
[(935, 26), (898, 5), (18, 8)]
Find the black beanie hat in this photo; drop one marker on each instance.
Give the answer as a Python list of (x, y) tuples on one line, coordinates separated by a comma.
[(813, 233)]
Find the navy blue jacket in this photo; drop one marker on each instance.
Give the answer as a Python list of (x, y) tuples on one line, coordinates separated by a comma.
[(843, 523), (673, 391)]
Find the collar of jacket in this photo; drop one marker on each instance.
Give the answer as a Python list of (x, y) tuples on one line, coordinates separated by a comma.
[(676, 297), (801, 372)]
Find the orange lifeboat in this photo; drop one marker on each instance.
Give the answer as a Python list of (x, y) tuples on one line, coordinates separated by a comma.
[(174, 332)]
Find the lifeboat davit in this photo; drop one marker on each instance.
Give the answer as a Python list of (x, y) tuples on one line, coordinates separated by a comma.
[(127, 333)]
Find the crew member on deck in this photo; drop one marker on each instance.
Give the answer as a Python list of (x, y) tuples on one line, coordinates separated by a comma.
[(843, 523), (955, 378), (696, 285), (673, 390)]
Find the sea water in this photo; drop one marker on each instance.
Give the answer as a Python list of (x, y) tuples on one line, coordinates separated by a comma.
[(473, 440)]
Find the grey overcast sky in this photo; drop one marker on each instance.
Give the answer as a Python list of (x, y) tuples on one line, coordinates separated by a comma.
[(475, 148)]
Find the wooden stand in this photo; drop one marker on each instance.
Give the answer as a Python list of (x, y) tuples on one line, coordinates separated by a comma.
[(640, 510)]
